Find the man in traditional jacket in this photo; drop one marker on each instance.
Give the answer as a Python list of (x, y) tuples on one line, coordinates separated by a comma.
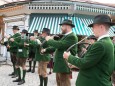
[(44, 59), (22, 55), (32, 54), (13, 48), (61, 67), (113, 75), (97, 65)]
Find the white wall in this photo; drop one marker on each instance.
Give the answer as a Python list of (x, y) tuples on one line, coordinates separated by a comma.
[(21, 21)]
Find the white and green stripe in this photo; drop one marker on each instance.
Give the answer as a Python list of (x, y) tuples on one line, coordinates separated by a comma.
[(52, 22)]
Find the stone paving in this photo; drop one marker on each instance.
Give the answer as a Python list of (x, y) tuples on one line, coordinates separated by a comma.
[(32, 79)]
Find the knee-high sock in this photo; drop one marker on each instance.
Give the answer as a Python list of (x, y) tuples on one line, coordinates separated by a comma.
[(45, 81), (19, 73), (24, 74), (34, 64), (41, 80), (30, 64), (14, 68)]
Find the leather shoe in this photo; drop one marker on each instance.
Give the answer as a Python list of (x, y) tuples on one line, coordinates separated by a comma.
[(11, 74), (33, 71), (29, 70), (14, 76), (17, 80), (21, 82)]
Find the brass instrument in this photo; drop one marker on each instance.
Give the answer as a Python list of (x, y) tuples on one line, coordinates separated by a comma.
[(55, 37), (69, 65), (76, 44)]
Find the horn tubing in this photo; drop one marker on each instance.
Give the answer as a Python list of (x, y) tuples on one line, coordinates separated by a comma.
[(75, 44)]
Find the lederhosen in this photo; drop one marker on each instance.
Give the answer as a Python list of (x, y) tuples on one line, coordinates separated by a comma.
[(22, 53)]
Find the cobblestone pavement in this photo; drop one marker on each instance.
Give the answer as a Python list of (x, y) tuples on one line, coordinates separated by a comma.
[(32, 79)]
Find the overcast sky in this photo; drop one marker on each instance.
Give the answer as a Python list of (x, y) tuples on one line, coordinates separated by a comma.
[(105, 1), (102, 1), (6, 1)]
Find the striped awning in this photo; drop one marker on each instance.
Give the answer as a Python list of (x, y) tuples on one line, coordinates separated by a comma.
[(84, 22), (81, 26), (47, 21), (38, 22), (111, 31)]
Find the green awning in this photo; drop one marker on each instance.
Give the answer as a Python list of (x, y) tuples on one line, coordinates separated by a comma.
[(52, 21), (86, 22)]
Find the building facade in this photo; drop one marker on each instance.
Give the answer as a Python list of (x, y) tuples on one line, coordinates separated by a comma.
[(35, 15)]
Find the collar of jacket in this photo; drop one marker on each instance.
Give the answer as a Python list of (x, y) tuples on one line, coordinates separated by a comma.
[(66, 36), (103, 36), (68, 33)]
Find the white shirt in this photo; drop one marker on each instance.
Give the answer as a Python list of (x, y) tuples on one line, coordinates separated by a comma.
[(103, 36), (68, 33)]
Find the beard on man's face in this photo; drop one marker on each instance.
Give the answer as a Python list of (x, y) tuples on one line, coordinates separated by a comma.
[(64, 31)]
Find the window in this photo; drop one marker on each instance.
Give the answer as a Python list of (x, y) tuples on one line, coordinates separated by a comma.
[(46, 7), (40, 6)]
